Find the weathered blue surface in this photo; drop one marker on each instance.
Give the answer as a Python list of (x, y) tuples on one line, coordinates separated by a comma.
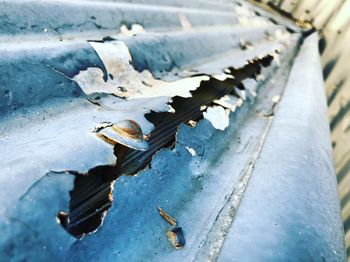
[(290, 210), (47, 124), (34, 73)]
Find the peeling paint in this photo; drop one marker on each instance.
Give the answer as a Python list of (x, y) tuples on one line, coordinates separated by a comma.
[(98, 180), (116, 58), (168, 91), (229, 101), (135, 29), (191, 151), (218, 116), (169, 184)]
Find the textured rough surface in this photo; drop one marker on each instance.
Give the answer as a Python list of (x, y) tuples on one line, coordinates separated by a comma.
[(332, 19), (270, 224), (200, 81)]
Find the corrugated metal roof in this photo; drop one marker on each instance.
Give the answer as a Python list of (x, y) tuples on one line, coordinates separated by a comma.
[(69, 69)]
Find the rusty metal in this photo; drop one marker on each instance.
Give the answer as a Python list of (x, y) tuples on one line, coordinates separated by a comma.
[(127, 133), (176, 237), (167, 217)]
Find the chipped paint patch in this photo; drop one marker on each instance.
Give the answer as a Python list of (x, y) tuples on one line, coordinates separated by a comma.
[(135, 29), (228, 101), (218, 116), (191, 151), (185, 23), (124, 81)]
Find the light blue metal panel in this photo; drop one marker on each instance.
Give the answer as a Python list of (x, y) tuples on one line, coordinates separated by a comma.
[(290, 210)]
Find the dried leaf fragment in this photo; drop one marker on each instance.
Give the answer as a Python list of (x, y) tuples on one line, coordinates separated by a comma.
[(167, 217)]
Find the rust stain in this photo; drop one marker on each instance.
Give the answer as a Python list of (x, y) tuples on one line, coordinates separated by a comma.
[(129, 129), (107, 139), (176, 237), (167, 217)]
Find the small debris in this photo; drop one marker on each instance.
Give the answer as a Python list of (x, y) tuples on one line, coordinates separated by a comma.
[(185, 23), (167, 217), (126, 132), (175, 233), (135, 29), (62, 218), (244, 45), (202, 108), (191, 151), (276, 99), (122, 89), (192, 123), (176, 237)]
